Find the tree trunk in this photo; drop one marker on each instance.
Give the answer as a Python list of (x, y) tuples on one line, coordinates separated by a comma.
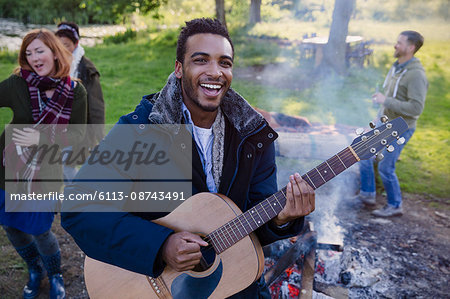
[(255, 12), (335, 49), (220, 12), (296, 6)]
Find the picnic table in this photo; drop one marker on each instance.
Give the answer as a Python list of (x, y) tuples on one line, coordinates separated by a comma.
[(314, 45)]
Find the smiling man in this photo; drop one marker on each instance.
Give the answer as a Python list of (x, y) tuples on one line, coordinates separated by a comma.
[(233, 154)]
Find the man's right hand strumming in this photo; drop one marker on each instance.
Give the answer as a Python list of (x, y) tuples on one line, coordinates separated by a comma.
[(181, 251)]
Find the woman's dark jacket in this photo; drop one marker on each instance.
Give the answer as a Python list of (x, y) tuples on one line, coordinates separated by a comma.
[(90, 77)]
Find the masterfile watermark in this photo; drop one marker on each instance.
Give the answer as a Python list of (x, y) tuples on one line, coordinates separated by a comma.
[(135, 168), (140, 153)]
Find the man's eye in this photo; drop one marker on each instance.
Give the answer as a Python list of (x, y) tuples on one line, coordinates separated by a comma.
[(226, 63), (200, 60)]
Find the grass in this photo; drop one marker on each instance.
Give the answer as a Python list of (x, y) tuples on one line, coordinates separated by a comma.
[(426, 164), (141, 66)]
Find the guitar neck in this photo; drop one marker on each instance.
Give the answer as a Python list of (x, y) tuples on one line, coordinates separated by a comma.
[(241, 226)]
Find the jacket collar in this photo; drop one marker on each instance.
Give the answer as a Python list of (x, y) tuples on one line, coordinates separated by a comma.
[(167, 108)]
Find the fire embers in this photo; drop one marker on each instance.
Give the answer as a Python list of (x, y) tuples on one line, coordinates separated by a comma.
[(351, 268), (348, 274), (288, 284)]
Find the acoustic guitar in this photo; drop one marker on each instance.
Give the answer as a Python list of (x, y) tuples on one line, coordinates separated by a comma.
[(234, 258)]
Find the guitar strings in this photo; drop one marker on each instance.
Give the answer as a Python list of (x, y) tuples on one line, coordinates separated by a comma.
[(263, 206), (346, 153)]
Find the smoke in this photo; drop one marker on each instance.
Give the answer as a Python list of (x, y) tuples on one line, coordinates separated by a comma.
[(335, 106), (291, 84), (331, 198)]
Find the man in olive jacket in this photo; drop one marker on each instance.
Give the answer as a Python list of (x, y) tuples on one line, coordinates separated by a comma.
[(404, 93)]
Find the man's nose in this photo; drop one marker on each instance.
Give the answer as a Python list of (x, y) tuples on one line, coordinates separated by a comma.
[(214, 70)]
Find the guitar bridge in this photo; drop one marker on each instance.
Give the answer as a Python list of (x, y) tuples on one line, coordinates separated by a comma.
[(159, 287)]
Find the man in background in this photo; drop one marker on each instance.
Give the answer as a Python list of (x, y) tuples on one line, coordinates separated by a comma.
[(404, 92)]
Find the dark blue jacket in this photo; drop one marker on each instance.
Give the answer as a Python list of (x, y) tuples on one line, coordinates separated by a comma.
[(130, 241)]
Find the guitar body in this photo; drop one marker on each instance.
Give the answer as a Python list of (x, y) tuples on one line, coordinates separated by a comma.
[(231, 271)]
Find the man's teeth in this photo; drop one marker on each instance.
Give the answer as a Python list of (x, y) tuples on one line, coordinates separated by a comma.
[(211, 86)]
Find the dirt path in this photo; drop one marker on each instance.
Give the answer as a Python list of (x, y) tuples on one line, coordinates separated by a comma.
[(413, 251)]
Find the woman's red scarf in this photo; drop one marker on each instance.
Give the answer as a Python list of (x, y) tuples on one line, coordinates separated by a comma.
[(59, 107), (47, 113)]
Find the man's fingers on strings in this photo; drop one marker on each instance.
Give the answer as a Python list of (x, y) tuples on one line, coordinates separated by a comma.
[(297, 186), (192, 238), (308, 196), (290, 200)]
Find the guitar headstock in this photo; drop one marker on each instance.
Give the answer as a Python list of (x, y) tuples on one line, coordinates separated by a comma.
[(372, 142)]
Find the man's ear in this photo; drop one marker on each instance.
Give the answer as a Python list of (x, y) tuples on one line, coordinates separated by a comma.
[(411, 48), (178, 69)]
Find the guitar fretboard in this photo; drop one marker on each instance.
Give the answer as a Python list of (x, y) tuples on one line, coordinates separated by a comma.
[(244, 224)]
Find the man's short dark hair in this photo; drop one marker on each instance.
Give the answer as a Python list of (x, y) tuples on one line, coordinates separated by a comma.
[(196, 26), (414, 38)]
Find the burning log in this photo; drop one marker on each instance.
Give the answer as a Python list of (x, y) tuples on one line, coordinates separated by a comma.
[(308, 270), (301, 253), (334, 247), (336, 292), (303, 245), (285, 122)]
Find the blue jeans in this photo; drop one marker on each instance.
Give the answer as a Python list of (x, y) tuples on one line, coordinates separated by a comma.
[(386, 169)]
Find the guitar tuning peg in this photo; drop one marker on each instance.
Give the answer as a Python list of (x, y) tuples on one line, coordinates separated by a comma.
[(379, 157), (384, 119), (401, 140), (372, 125), (359, 131), (390, 148)]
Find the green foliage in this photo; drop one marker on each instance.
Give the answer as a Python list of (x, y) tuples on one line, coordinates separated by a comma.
[(167, 38), (79, 11), (121, 37), (173, 13), (401, 10), (43, 11), (107, 11)]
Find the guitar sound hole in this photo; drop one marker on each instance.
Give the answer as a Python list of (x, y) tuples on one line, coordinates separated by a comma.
[(207, 260)]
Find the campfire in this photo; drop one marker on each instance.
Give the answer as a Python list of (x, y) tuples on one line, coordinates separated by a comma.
[(316, 264)]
